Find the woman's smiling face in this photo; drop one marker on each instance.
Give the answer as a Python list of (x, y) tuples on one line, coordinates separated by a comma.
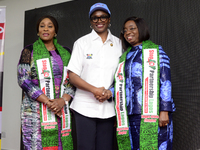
[(100, 26), (131, 33), (46, 30)]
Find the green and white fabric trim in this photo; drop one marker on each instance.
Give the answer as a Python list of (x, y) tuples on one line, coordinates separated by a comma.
[(150, 93), (122, 134), (46, 84)]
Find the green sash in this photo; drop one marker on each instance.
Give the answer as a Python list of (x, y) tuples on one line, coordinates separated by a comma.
[(122, 134), (49, 125), (150, 93), (149, 120)]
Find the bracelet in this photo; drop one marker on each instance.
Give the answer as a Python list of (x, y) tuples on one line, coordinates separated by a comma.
[(66, 102), (63, 98), (46, 102)]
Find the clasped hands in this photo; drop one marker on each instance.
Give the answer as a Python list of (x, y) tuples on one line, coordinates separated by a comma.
[(102, 94), (55, 105)]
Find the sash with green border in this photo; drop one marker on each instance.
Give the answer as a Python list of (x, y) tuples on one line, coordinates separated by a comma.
[(148, 119), (150, 94), (49, 125), (122, 134)]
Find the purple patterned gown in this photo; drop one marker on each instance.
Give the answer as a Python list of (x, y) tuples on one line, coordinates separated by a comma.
[(30, 108)]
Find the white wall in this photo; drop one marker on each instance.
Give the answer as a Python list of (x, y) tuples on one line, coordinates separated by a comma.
[(13, 45)]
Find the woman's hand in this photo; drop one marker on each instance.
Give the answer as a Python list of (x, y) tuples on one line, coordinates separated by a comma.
[(105, 95), (55, 105), (163, 118), (59, 113), (78, 82), (98, 91), (83, 85)]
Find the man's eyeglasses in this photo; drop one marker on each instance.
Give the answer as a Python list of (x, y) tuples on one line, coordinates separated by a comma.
[(96, 19)]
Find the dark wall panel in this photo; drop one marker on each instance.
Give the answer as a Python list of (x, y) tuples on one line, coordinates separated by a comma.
[(174, 24)]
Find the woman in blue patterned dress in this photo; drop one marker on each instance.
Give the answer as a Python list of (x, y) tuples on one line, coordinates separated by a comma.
[(44, 61), (133, 35)]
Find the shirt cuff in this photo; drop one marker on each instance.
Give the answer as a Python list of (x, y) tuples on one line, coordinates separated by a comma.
[(166, 106), (112, 97), (36, 94)]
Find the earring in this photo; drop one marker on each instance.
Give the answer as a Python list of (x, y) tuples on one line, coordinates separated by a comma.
[(109, 25), (38, 34), (91, 27), (55, 35)]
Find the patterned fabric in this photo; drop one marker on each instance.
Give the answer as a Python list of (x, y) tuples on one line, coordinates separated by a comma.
[(134, 85), (134, 96), (30, 114), (165, 134)]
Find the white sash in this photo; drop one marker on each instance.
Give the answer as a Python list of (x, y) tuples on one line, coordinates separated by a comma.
[(46, 84), (66, 121), (150, 77), (120, 106)]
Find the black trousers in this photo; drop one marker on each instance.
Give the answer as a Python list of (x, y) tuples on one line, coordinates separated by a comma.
[(94, 133)]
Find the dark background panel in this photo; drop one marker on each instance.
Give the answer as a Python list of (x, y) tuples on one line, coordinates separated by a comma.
[(174, 24)]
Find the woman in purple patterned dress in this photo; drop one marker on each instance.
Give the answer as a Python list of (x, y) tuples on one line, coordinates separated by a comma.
[(34, 96)]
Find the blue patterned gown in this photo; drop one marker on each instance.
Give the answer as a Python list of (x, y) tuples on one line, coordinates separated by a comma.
[(133, 73)]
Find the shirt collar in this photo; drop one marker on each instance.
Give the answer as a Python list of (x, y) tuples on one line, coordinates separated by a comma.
[(95, 36)]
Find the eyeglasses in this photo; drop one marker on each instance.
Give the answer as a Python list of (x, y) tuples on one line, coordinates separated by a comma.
[(125, 30), (96, 19)]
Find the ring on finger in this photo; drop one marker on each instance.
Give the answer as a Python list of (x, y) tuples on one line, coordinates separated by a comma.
[(54, 109)]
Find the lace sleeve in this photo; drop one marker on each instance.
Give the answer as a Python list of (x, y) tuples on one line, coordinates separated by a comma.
[(69, 88), (25, 56)]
